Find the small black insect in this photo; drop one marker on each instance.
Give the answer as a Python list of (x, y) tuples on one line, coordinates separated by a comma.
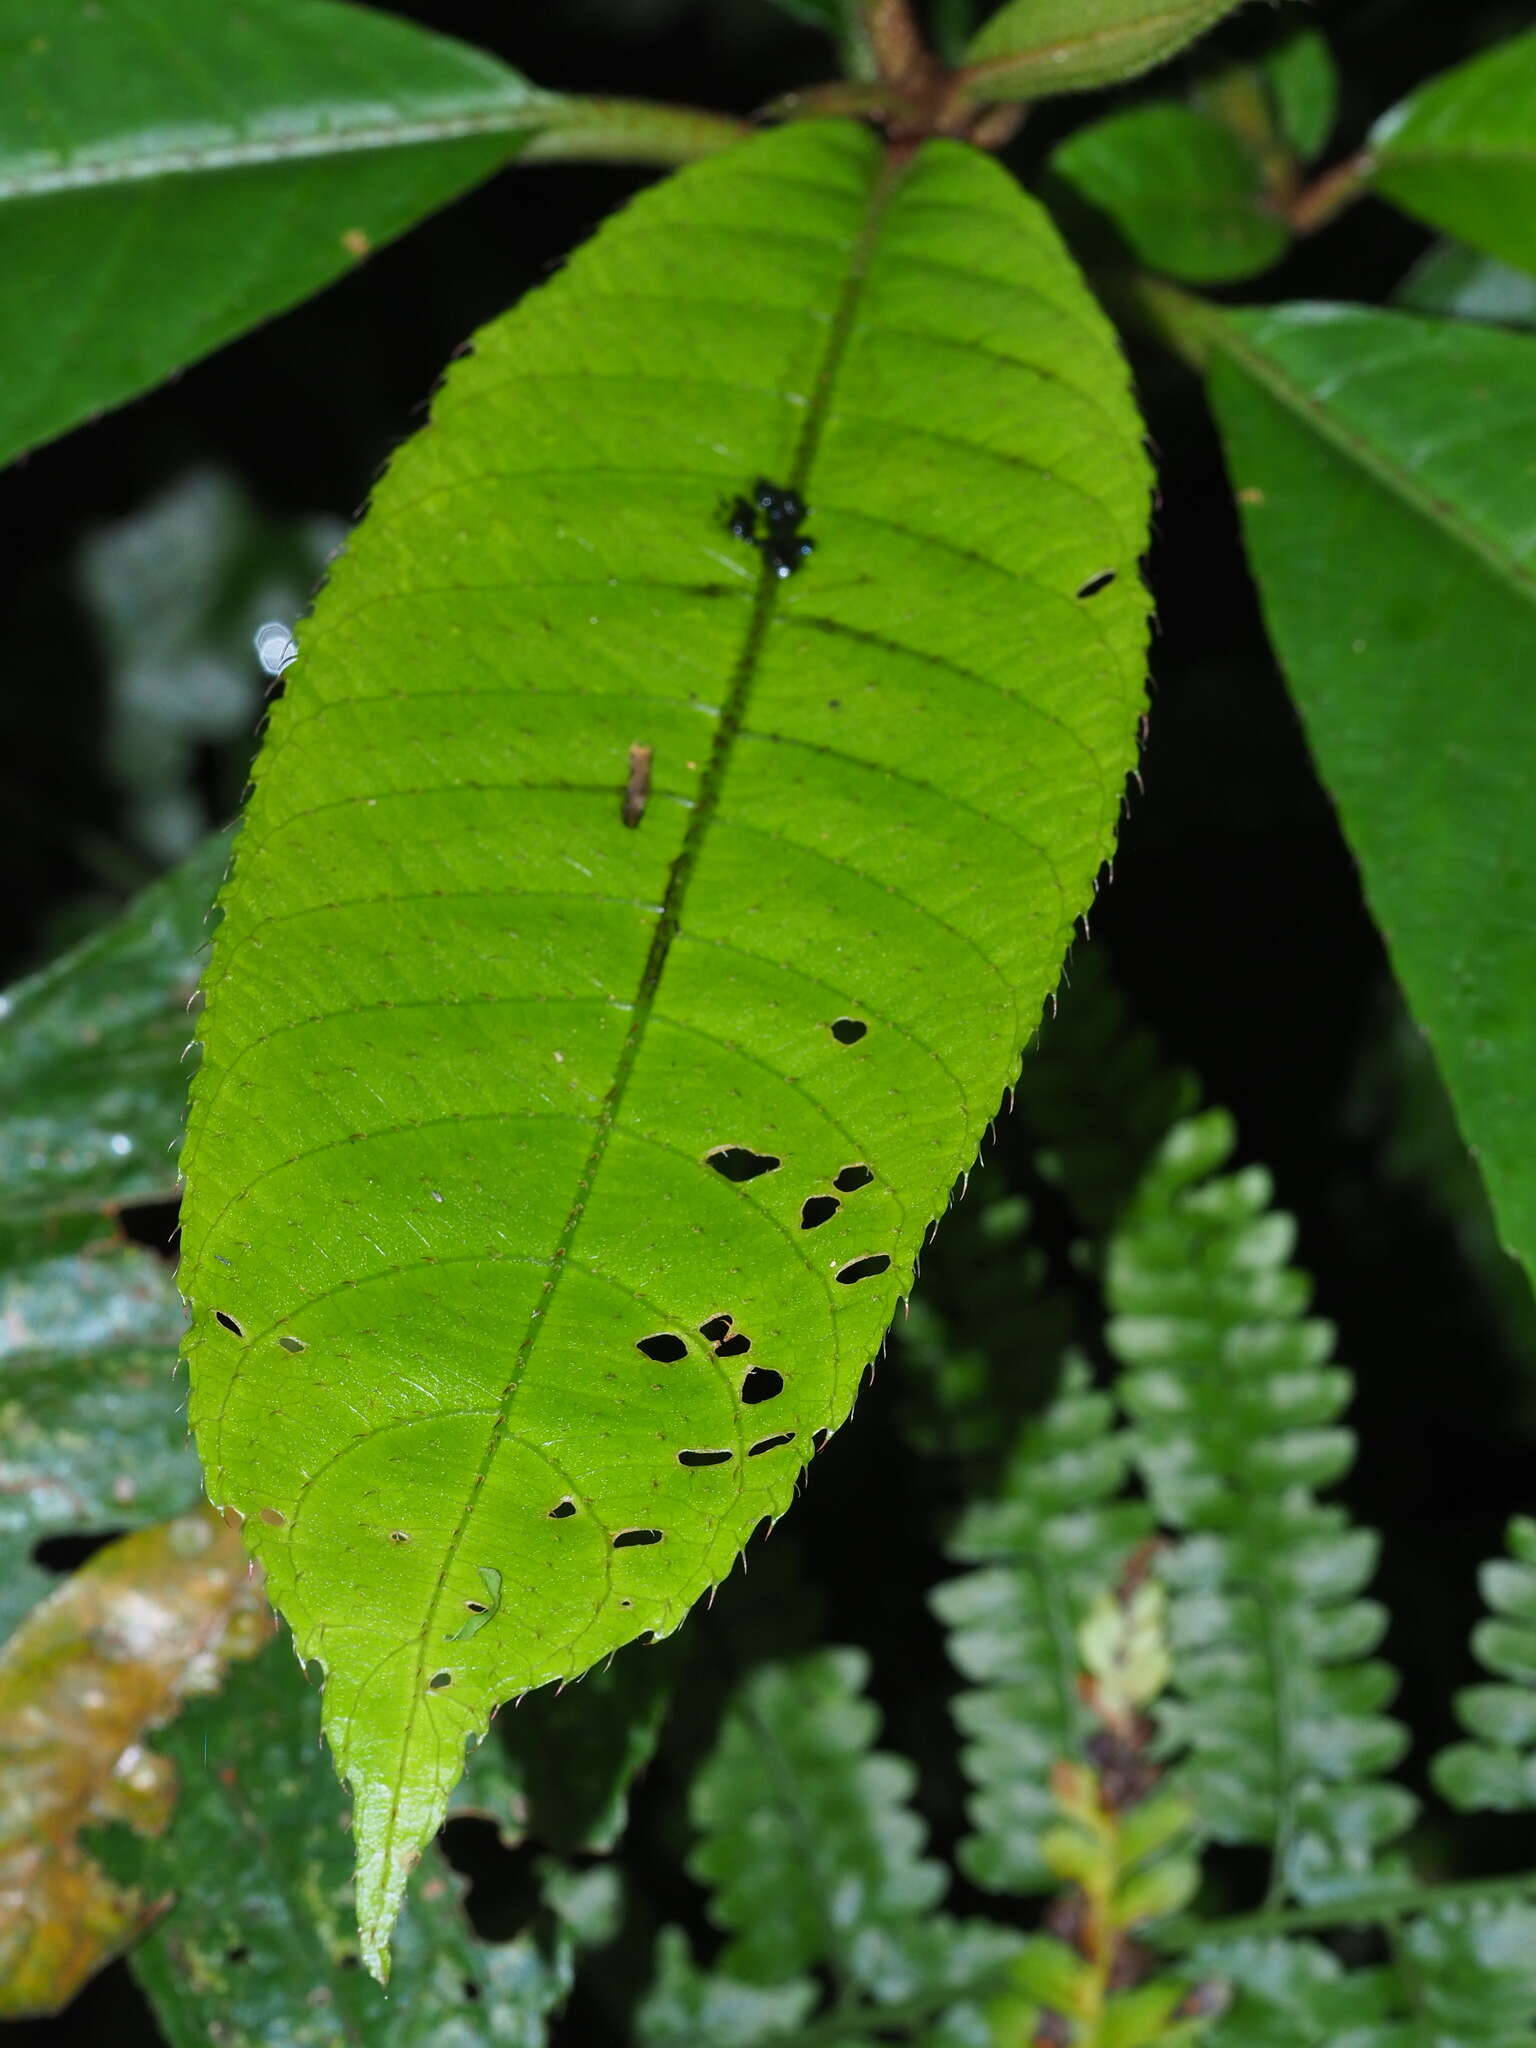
[(770, 520)]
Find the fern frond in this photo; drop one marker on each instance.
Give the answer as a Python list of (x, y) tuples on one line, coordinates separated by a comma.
[(1052, 1544), (814, 1860), (1278, 1702), (1495, 1772), (1460, 1976)]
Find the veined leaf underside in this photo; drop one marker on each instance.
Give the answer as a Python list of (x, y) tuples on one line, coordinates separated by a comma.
[(553, 1172)]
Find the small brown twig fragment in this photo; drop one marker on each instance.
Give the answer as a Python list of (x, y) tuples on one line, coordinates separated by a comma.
[(638, 788)]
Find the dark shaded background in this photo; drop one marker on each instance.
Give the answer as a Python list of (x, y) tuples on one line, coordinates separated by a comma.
[(1234, 924)]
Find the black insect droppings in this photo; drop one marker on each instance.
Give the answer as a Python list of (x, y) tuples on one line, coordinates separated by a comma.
[(852, 1178), (762, 1383), (628, 1539), (848, 1030), (1097, 583), (770, 521), (664, 1347), (771, 1443), (818, 1209), (864, 1269), (740, 1162), (704, 1457), (561, 1509), (228, 1322)]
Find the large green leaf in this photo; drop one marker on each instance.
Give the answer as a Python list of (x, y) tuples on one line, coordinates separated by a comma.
[(1384, 469), (1461, 153), (495, 1345), (92, 1433), (93, 1085), (1031, 48), (267, 1953), (173, 172)]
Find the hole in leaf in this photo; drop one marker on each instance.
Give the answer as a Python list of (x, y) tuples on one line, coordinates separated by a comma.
[(477, 1607), (664, 1347), (734, 1347), (771, 1443), (740, 1162), (229, 1323), (864, 1269), (716, 1329), (1097, 583), (398, 1536), (628, 1539), (849, 1030), (626, 1603), (762, 1383), (563, 1508), (704, 1457), (439, 1679), (274, 1518), (293, 1344), (817, 1210), (852, 1178)]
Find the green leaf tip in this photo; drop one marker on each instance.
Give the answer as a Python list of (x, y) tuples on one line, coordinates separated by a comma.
[(584, 1144), (1031, 49)]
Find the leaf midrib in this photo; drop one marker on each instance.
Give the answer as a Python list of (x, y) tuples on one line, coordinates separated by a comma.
[(536, 111), (1438, 512), (1034, 54), (732, 715)]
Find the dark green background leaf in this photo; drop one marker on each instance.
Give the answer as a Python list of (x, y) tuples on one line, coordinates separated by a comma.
[(259, 1947), (172, 172), (1183, 190), (1384, 468), (93, 1427), (1461, 153), (94, 1060)]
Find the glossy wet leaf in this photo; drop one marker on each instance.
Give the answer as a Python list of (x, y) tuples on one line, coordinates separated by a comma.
[(111, 1656), (93, 1428), (1407, 641), (1464, 284), (93, 1073), (1032, 48), (1184, 192), (553, 1172), (1461, 152), (268, 1953), (171, 173)]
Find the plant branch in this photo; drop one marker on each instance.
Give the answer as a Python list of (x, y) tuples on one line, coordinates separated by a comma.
[(1315, 205)]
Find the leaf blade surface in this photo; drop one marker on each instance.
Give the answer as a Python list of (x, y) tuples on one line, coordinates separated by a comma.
[(205, 168), (521, 1228), (1406, 639)]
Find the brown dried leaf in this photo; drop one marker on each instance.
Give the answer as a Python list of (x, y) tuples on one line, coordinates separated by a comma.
[(149, 1620)]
